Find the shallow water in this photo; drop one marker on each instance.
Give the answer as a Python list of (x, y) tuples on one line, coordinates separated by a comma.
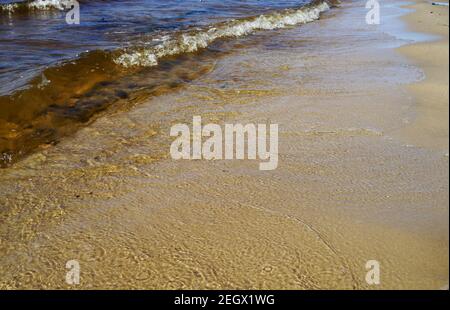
[(54, 77), (345, 190)]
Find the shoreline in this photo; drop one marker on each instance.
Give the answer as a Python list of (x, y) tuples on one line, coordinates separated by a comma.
[(345, 191), (430, 128), (71, 92)]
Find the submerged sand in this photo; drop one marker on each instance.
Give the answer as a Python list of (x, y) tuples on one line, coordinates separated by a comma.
[(350, 187)]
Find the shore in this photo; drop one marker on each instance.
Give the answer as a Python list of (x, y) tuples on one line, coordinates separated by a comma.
[(353, 184), (430, 129)]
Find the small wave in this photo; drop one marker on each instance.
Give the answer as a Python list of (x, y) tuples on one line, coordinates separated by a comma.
[(67, 95), (195, 40), (35, 5)]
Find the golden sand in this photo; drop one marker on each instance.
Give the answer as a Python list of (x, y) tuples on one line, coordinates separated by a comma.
[(430, 129), (347, 189)]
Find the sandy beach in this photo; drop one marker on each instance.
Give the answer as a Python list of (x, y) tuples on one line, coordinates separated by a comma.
[(362, 175), (430, 128)]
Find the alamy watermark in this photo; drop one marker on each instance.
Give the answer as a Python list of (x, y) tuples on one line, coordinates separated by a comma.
[(373, 15), (373, 272), (73, 15), (73, 273), (229, 143)]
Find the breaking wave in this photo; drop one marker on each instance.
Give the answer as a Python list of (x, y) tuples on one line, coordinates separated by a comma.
[(69, 94), (36, 5), (194, 40)]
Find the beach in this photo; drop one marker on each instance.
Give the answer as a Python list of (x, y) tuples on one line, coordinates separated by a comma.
[(431, 126), (362, 170)]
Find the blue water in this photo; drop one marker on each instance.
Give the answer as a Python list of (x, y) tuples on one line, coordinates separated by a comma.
[(32, 41)]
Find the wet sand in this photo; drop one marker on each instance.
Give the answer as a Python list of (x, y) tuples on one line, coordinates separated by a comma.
[(430, 128), (350, 186)]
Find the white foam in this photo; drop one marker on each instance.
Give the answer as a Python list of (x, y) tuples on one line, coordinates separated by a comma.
[(50, 4), (10, 7), (195, 40), (38, 5)]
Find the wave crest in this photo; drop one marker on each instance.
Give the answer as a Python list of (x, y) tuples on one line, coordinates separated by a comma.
[(32, 5), (193, 41)]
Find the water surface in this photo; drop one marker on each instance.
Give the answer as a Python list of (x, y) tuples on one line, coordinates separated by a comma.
[(54, 76)]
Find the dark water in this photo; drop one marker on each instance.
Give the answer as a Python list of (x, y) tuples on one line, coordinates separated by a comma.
[(55, 75)]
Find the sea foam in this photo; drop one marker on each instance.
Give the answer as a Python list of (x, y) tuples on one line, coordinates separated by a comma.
[(36, 5), (195, 40)]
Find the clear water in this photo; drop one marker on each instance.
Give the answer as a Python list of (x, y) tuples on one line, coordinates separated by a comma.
[(55, 76)]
